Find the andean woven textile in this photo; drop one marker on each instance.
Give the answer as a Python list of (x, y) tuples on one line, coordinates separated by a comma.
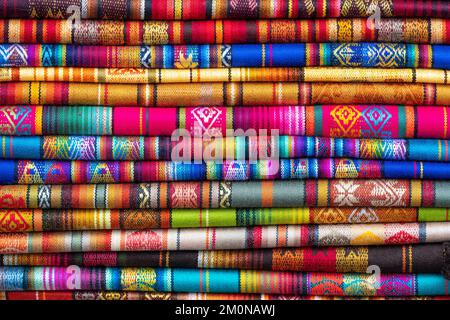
[(380, 55), (26, 220), (61, 172), (140, 295), (219, 9), (102, 32), (353, 121), (427, 258), (241, 148), (279, 236), (226, 194), (225, 94), (308, 74), (222, 281), (224, 149)]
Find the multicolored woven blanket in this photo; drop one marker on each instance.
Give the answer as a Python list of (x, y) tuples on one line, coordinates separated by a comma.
[(102, 32), (60, 172), (142, 295), (423, 258), (350, 121), (380, 55), (218, 9), (222, 281), (227, 194), (225, 94), (307, 74), (135, 148), (279, 236), (224, 149), (26, 220)]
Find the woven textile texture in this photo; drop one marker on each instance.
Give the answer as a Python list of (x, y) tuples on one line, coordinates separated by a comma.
[(308, 74), (140, 295), (223, 281), (224, 150), (379, 55), (351, 121), (98, 32), (239, 148), (227, 194), (279, 236), (61, 172), (219, 9), (226, 94), (26, 220), (136, 295), (426, 258)]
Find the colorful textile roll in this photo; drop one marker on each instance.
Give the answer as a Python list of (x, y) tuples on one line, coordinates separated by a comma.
[(351, 121), (260, 237), (225, 94), (219, 9), (380, 55), (136, 295), (308, 74), (61, 172), (428, 258), (226, 194), (23, 220), (239, 148), (98, 32), (221, 281)]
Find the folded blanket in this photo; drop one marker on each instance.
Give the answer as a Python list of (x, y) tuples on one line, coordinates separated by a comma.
[(279, 236), (102, 32), (221, 281), (136, 295), (26, 220), (308, 74), (225, 94), (218, 9), (240, 148), (61, 172), (380, 55), (350, 121), (227, 194), (424, 258)]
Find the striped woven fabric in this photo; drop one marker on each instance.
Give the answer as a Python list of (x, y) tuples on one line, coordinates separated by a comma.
[(218, 9), (224, 149), (308, 74), (351, 121), (26, 220), (98, 32), (226, 94), (227, 194), (380, 55), (61, 172), (89, 295), (240, 148), (136, 295), (222, 281), (279, 236), (424, 258)]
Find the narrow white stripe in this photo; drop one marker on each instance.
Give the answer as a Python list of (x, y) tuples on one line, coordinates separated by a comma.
[(84, 9), (142, 5), (99, 94), (115, 240), (67, 243)]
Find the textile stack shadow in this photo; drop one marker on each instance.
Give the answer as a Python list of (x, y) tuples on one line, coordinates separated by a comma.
[(221, 149)]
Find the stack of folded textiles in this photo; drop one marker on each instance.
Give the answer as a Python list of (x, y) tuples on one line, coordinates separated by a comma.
[(219, 149)]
